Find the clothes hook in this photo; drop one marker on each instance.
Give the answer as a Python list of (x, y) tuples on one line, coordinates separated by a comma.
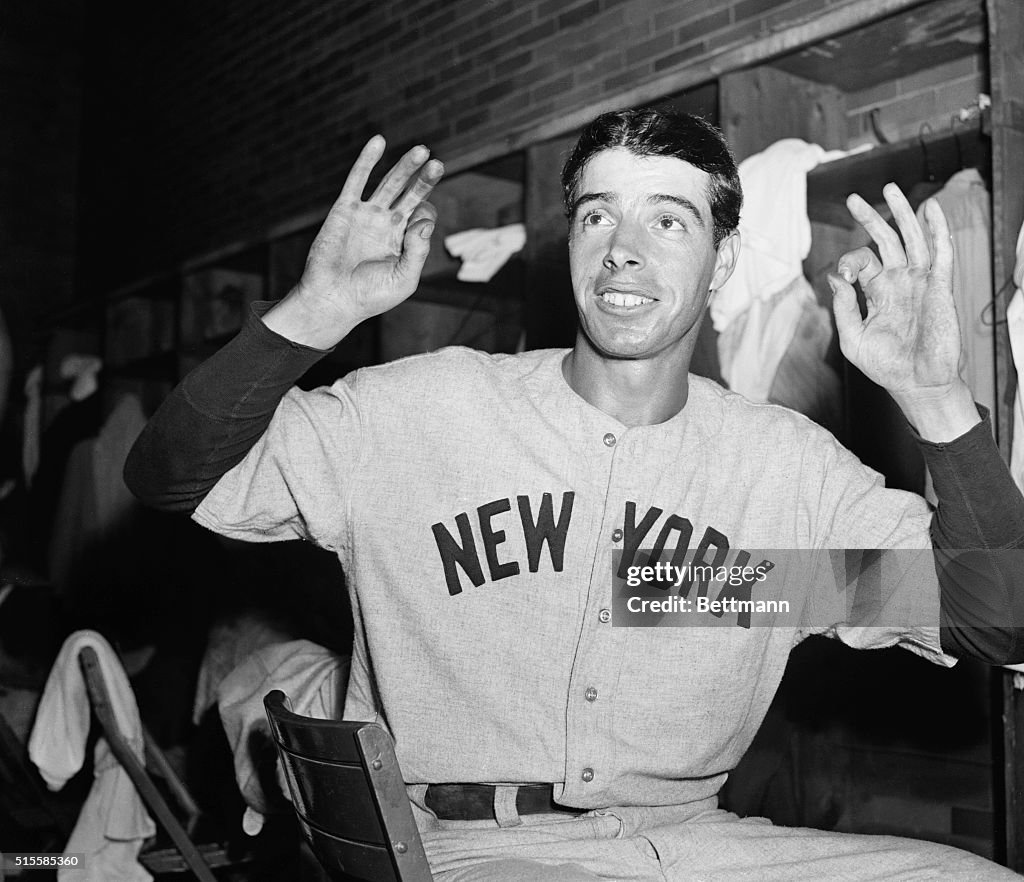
[(956, 140), (876, 126), (929, 172)]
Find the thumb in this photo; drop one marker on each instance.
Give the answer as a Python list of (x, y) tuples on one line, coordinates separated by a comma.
[(846, 310), (415, 246)]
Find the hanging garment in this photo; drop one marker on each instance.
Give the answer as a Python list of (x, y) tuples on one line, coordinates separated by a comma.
[(83, 373), (1015, 323), (32, 422), (760, 337), (767, 286), (74, 423), (966, 204), (6, 366), (94, 501), (804, 381), (230, 643), (314, 679), (485, 251), (113, 823)]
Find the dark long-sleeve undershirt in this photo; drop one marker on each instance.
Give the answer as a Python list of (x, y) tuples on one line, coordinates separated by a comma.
[(977, 533), (219, 411), (215, 415)]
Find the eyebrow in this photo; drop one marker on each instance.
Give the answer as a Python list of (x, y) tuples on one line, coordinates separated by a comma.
[(653, 199), (682, 202), (591, 197)]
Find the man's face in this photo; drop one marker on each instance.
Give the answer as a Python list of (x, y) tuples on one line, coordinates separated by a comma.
[(641, 254)]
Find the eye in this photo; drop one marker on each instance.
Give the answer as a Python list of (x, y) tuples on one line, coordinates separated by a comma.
[(669, 222), (595, 218)]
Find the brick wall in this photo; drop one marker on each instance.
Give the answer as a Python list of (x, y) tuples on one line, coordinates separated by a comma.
[(210, 123), (40, 110), (207, 123), (926, 101)]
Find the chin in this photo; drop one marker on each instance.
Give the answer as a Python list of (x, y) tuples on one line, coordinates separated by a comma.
[(628, 353), (620, 349)]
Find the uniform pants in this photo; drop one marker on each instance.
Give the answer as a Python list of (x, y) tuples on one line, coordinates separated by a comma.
[(672, 844)]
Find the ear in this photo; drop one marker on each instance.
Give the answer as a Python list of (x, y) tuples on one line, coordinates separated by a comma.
[(725, 259)]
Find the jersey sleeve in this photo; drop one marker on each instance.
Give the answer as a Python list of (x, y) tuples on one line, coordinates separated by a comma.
[(873, 580), (296, 481)]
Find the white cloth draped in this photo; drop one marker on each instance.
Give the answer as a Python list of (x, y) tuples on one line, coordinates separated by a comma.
[(113, 823)]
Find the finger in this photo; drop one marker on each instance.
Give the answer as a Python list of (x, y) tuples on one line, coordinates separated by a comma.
[(909, 227), (397, 179), (368, 157), (425, 181), (423, 211), (847, 312), (860, 265), (941, 240), (881, 233), (416, 242)]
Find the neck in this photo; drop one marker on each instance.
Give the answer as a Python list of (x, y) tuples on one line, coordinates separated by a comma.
[(636, 392)]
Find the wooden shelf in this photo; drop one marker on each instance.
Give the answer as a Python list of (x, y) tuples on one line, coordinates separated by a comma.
[(506, 286), (930, 158)]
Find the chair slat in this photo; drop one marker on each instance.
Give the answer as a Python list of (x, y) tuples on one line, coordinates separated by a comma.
[(320, 790), (342, 857), (330, 740)]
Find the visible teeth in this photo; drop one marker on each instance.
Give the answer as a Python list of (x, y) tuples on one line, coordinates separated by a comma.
[(617, 298)]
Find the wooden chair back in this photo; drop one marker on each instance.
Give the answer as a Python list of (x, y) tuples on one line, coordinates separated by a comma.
[(99, 696), (349, 796)]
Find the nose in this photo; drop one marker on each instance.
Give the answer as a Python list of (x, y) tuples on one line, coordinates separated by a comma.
[(625, 248)]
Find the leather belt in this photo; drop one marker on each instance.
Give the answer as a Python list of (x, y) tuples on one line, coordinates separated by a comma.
[(475, 802)]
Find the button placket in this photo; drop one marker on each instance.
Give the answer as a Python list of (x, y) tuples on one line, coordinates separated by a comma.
[(590, 710)]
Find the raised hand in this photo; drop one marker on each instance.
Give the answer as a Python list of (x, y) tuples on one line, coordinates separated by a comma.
[(909, 343), (368, 254)]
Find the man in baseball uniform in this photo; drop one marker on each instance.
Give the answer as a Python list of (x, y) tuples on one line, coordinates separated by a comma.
[(490, 510)]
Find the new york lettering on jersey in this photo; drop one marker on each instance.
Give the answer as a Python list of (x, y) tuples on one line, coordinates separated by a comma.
[(491, 521)]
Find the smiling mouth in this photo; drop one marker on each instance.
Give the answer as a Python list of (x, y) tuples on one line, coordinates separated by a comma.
[(623, 298)]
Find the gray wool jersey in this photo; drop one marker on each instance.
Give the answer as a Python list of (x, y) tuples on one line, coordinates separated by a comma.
[(478, 506)]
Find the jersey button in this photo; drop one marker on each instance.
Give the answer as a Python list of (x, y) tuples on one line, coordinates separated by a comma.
[(604, 616), (587, 776), (616, 535), (590, 694), (609, 440)]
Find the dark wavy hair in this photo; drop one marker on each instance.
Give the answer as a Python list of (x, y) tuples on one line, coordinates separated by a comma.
[(663, 133)]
